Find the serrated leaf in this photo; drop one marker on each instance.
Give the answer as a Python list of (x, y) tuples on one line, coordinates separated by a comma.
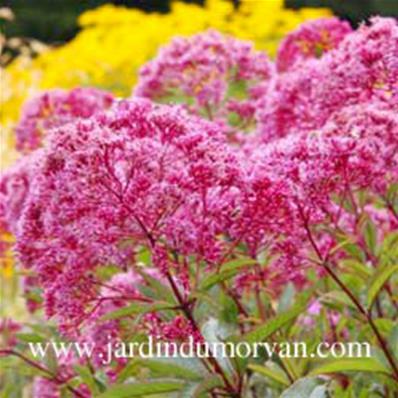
[(378, 281), (350, 365), (274, 324), (140, 389), (274, 375)]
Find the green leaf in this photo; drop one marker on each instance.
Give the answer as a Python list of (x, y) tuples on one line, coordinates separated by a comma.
[(274, 375), (230, 311), (227, 271), (393, 341), (107, 271), (93, 384), (273, 325), (357, 268), (352, 248), (370, 235), (30, 337), (384, 325), (137, 309), (336, 299), (188, 390), (392, 191), (193, 369), (167, 369), (389, 242), (377, 282), (350, 365), (238, 264), (207, 385), (302, 388), (237, 89), (140, 389), (162, 291)]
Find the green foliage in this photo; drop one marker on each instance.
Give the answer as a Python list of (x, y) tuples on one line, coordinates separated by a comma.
[(141, 389)]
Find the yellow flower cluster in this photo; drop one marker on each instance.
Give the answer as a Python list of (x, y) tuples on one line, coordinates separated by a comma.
[(115, 41)]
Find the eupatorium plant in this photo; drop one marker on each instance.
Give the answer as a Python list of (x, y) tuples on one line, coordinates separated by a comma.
[(362, 69), (216, 76), (138, 220), (55, 108), (138, 175)]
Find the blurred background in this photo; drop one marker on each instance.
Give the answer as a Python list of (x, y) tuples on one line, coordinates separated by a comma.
[(54, 21)]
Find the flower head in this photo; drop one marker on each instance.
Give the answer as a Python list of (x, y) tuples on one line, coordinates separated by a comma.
[(362, 69), (55, 108), (145, 174), (209, 72), (312, 39)]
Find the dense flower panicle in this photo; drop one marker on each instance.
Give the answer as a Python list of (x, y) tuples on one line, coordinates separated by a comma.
[(45, 388), (204, 71), (361, 69), (55, 108), (312, 39), (146, 173), (298, 182), (178, 329), (373, 126), (14, 190)]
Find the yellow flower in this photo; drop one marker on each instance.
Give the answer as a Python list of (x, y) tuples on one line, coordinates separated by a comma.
[(6, 256), (115, 41)]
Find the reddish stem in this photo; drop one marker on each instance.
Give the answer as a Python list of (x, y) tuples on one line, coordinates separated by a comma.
[(53, 377)]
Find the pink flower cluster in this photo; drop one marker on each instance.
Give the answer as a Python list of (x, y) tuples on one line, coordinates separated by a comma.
[(363, 68), (148, 174), (311, 40), (45, 388), (55, 108), (156, 176), (214, 75)]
